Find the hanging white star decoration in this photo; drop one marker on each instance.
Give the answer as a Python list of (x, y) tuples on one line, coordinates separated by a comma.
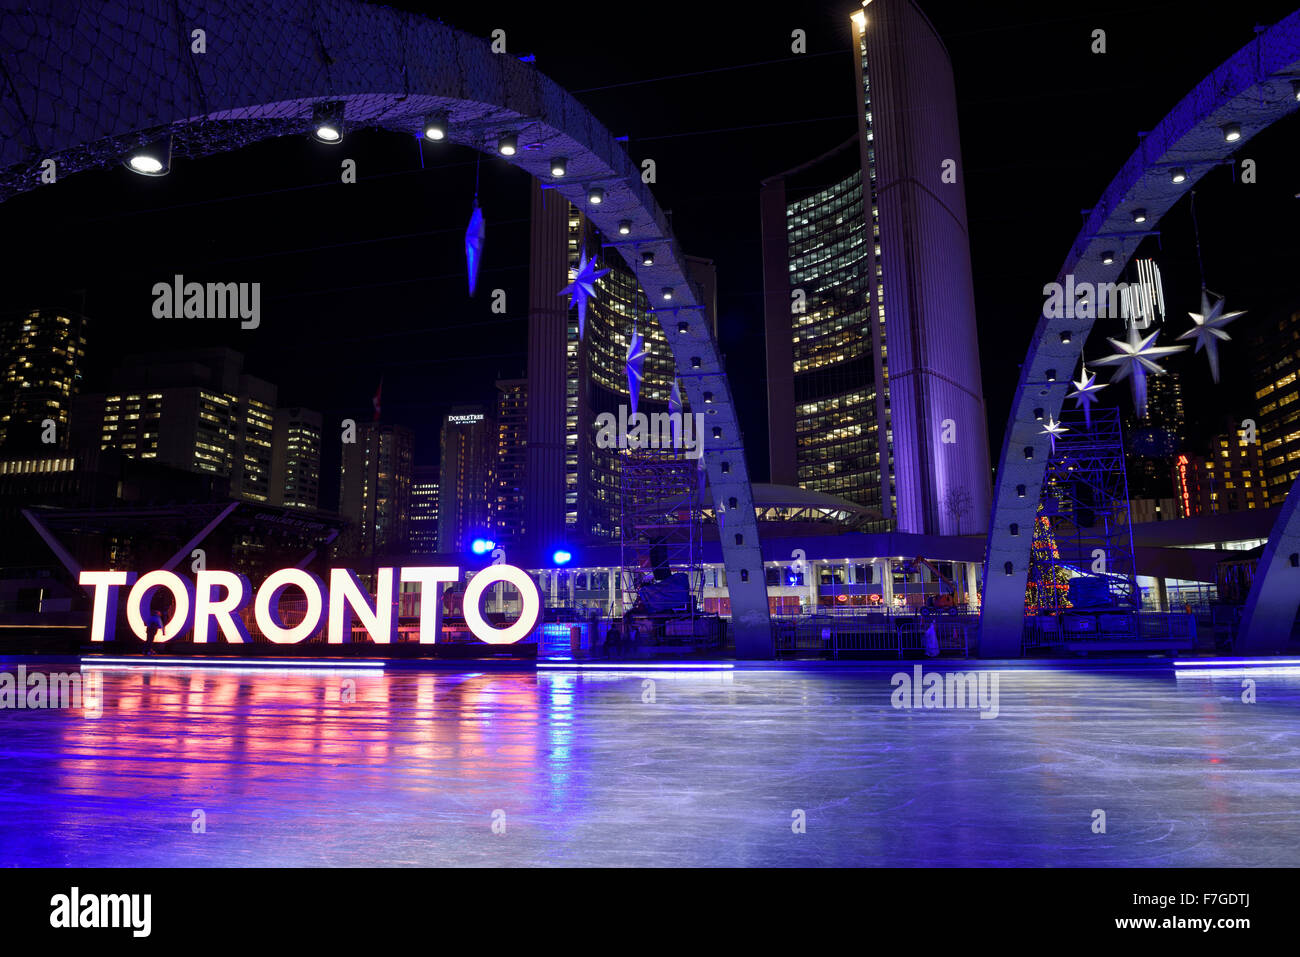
[(1053, 429), (1209, 329), (635, 360), (583, 288), (1085, 393), (1136, 357)]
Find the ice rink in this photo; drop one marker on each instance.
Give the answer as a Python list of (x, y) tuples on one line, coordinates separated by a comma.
[(748, 767)]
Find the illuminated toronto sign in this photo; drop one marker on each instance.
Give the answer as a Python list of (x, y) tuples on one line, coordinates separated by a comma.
[(210, 605)]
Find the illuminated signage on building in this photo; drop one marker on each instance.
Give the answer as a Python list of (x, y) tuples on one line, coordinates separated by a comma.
[(466, 418), (210, 605), (1182, 486)]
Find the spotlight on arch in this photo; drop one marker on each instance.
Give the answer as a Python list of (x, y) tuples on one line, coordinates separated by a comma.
[(1139, 215), (1178, 175), (648, 258), (559, 166), (435, 126), (1231, 132), (151, 159), (1107, 257), (668, 292), (624, 227), (327, 122), (595, 195), (508, 143)]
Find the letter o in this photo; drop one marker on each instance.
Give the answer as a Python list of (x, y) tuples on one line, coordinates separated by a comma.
[(266, 607), (528, 597), (180, 589)]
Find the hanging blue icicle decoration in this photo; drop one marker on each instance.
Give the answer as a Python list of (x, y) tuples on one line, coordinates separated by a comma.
[(635, 360), (474, 238), (675, 399)]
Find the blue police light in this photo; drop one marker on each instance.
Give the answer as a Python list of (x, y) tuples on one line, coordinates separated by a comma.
[(561, 557), (481, 546)]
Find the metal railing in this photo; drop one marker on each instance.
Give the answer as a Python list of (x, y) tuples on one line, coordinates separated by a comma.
[(873, 633), (1177, 628)]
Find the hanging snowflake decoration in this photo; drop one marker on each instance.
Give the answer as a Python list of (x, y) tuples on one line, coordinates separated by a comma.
[(1085, 393), (583, 288), (1136, 357), (1053, 429), (1208, 329)]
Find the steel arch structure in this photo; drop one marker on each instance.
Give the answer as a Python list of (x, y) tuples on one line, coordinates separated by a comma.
[(1274, 595), (1253, 88), (83, 82)]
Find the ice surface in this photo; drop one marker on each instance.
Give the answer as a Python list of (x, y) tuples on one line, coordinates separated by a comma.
[(712, 771)]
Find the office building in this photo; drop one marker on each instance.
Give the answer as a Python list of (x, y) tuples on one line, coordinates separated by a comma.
[(42, 352), (375, 490), (1228, 478), (295, 458), (1275, 359), (1154, 440), (873, 355), (572, 485), (195, 410), (508, 489), (465, 478), (422, 530)]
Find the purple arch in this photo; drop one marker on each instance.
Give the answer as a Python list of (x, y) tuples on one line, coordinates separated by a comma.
[(82, 83), (1253, 88)]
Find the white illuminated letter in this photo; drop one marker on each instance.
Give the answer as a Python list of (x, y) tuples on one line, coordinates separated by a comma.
[(266, 606), (208, 610), (429, 579), (103, 618), (182, 598), (346, 591), (530, 604)]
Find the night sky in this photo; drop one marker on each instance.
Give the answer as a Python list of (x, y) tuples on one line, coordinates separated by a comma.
[(367, 281)]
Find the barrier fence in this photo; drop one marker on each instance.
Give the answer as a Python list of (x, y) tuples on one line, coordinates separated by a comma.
[(873, 634)]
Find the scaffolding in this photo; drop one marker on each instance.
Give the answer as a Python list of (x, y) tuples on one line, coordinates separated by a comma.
[(661, 525), (1085, 504)]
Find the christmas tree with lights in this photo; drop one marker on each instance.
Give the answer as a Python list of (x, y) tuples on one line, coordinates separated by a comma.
[(1048, 587)]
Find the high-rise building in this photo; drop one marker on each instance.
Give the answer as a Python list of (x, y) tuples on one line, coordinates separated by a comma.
[(295, 458), (465, 478), (1155, 439), (1229, 478), (1275, 359), (827, 393), (572, 484), (375, 490), (41, 351), (873, 356), (511, 462), (194, 410), (422, 530)]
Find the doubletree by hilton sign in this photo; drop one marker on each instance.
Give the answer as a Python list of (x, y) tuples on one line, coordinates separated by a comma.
[(211, 604)]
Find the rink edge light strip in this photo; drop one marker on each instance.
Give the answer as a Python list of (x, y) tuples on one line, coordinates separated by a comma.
[(1211, 663), (563, 665), (329, 664)]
